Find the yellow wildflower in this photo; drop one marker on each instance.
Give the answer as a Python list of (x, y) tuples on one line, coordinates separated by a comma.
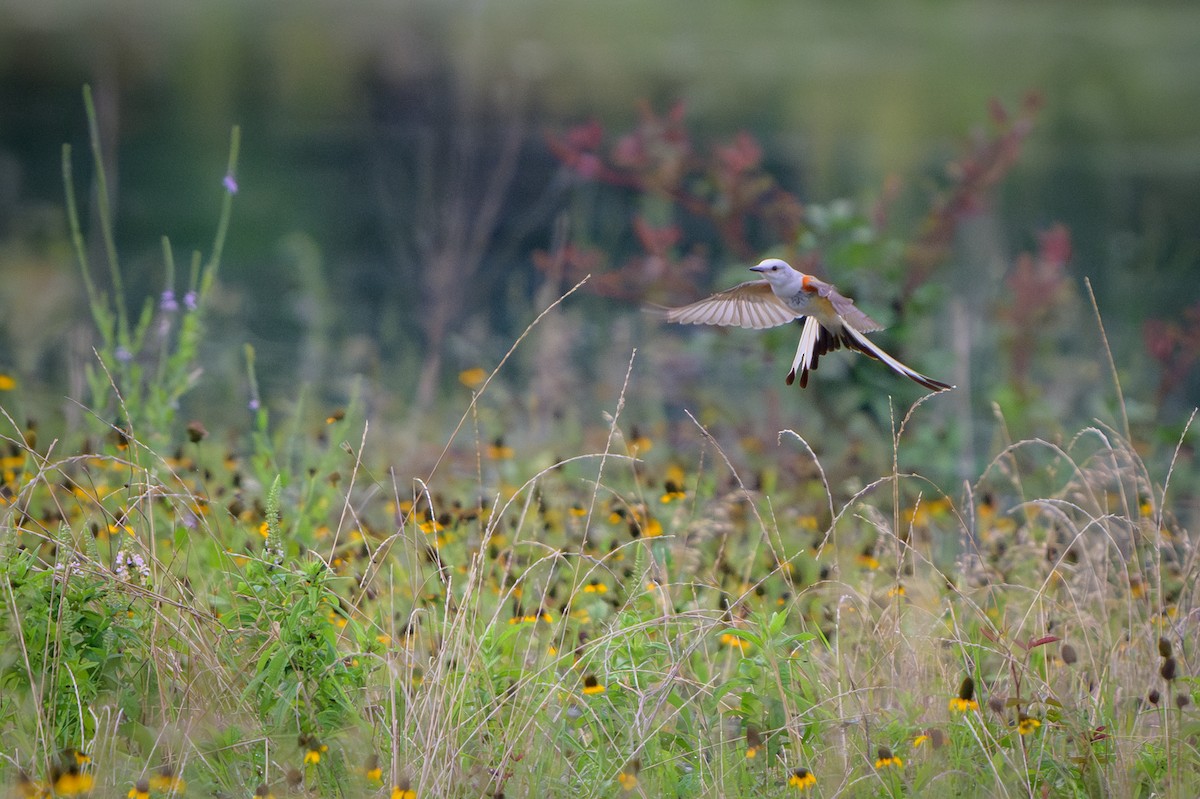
[(887, 760), (472, 378), (167, 781), (802, 779)]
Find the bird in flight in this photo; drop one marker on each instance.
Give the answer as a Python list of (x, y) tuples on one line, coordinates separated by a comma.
[(830, 320)]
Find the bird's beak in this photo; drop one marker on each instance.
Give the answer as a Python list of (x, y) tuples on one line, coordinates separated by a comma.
[(758, 268)]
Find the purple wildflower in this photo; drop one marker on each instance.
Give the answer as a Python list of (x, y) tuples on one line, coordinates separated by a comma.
[(131, 567), (230, 184), (168, 304), (189, 300)]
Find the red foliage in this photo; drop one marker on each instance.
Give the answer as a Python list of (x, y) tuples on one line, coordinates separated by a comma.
[(727, 186), (1176, 347), (1037, 289), (653, 275), (974, 176)]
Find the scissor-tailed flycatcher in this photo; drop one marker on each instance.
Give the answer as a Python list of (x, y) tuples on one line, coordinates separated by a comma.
[(830, 320)]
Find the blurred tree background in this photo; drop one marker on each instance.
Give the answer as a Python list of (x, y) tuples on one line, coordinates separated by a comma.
[(408, 200)]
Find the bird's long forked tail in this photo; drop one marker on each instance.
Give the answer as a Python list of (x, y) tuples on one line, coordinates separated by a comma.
[(811, 348), (806, 352), (864, 345)]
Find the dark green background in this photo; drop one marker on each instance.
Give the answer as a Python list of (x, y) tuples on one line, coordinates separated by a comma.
[(330, 94)]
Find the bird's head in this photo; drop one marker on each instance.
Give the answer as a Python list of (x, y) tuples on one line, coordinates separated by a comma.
[(775, 270)]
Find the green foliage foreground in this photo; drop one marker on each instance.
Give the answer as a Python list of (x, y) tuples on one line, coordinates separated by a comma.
[(280, 615)]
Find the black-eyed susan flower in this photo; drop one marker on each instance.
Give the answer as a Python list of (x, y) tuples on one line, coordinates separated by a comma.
[(74, 757), (801, 779), (433, 525), (886, 759), (71, 781), (67, 777), (867, 559), (672, 491), (595, 587), (7, 382), (932, 737), (403, 789), (592, 686), (1027, 724), (754, 742), (372, 769), (521, 617), (30, 434), (472, 378), (965, 700), (313, 752), (140, 790), (638, 443), (263, 791), (735, 641), (499, 451), (649, 528), (628, 778), (196, 431), (167, 780)]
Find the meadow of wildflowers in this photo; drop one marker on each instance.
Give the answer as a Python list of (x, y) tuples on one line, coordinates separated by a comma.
[(285, 611)]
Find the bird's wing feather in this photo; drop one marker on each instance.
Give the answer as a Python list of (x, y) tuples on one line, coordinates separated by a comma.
[(752, 305), (852, 315), (843, 305)]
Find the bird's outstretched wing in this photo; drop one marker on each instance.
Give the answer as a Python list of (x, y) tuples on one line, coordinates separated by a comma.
[(751, 305)]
